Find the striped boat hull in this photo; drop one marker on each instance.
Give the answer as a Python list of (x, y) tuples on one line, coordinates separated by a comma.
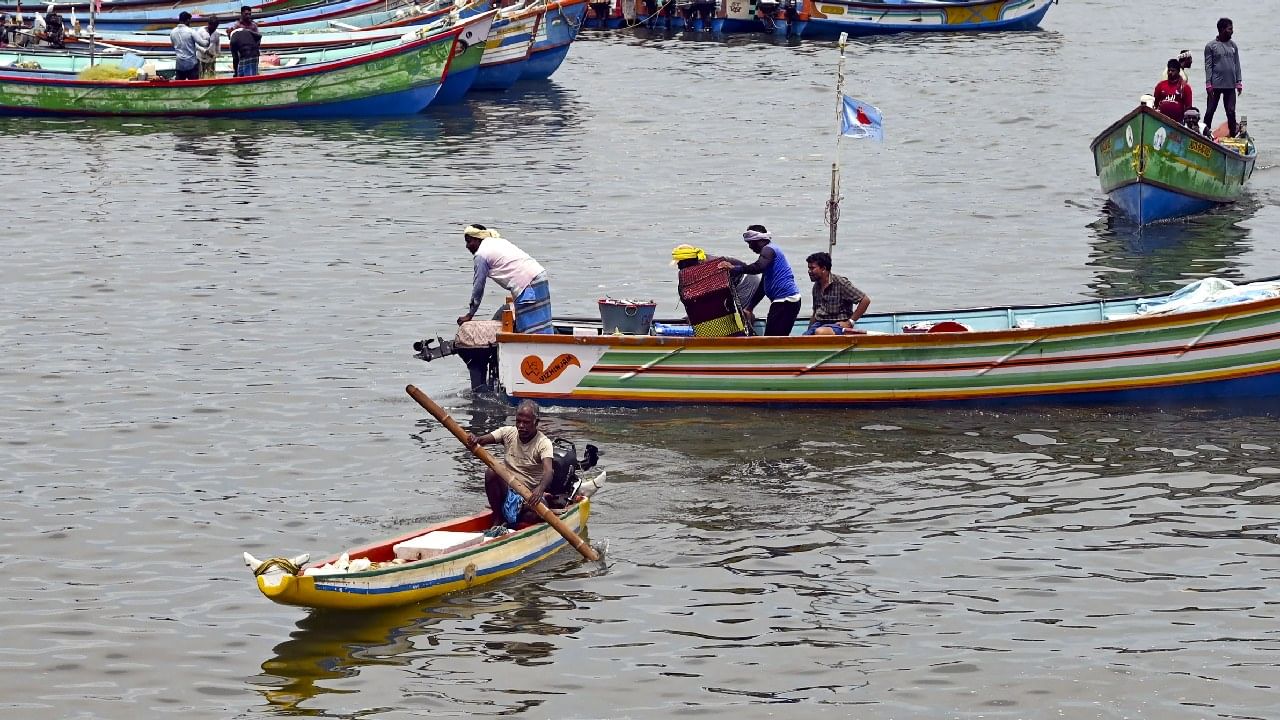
[(415, 582), (1201, 354)]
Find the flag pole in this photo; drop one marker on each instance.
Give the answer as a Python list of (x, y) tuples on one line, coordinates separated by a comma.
[(93, 42), (833, 202)]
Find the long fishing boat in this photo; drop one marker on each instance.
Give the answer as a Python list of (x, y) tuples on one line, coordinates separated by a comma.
[(401, 79), (1131, 350), (165, 19), (1155, 169), (106, 7), (302, 34), (829, 18), (53, 64)]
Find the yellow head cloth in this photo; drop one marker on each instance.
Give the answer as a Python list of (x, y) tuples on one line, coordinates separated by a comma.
[(687, 252), (481, 233)]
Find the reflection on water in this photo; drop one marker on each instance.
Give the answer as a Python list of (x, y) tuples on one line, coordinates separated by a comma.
[(1145, 260), (535, 113), (450, 641)]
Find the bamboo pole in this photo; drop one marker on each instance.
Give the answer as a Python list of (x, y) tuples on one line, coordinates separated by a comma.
[(539, 507)]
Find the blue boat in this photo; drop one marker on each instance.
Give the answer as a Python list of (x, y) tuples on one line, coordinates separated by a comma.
[(507, 48), (829, 18), (556, 31)]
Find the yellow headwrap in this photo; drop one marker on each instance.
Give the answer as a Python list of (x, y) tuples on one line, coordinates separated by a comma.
[(475, 232), (687, 252)]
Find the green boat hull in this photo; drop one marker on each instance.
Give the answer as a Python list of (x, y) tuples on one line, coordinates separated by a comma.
[(1155, 169), (400, 80)]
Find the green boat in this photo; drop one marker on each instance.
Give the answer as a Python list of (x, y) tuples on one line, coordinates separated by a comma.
[(401, 79), (1155, 169)]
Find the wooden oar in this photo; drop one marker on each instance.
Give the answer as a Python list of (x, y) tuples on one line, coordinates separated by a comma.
[(539, 507)]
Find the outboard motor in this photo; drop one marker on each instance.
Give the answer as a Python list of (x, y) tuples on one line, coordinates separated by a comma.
[(477, 344), (767, 11), (565, 465)]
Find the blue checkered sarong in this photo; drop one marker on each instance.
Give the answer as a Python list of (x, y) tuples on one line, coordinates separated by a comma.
[(533, 308)]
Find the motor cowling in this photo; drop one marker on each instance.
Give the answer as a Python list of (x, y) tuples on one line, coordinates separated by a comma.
[(565, 466)]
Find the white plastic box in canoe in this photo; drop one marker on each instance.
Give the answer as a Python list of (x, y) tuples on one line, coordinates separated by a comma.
[(433, 544)]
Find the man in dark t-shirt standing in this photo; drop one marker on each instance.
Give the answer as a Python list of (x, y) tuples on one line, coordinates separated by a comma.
[(246, 40)]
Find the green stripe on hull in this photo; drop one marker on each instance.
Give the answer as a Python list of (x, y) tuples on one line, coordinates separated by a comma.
[(1202, 332), (902, 381)]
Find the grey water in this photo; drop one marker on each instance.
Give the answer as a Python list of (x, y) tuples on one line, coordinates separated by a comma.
[(207, 330)]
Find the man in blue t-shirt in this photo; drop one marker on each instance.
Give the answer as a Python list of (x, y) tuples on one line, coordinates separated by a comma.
[(779, 283)]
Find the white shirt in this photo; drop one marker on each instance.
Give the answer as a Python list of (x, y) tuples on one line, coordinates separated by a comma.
[(207, 46)]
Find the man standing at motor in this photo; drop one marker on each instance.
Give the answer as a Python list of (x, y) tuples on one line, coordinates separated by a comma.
[(1222, 76), (497, 259)]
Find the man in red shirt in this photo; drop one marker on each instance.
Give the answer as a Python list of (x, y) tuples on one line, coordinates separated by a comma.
[(1173, 94)]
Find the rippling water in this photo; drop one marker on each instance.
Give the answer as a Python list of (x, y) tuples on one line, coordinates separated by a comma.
[(207, 339)]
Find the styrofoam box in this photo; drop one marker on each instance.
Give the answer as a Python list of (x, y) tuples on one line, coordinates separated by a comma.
[(435, 543)]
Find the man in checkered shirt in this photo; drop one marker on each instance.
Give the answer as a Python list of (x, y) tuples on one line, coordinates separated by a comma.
[(837, 304)]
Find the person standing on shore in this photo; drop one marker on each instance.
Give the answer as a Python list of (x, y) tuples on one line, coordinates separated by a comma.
[(1223, 78)]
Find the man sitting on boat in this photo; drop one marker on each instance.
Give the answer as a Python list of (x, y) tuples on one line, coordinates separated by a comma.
[(1173, 94), (499, 260), (778, 280), (528, 454), (837, 304)]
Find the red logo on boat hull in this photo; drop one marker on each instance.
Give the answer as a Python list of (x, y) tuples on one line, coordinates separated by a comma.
[(533, 371)]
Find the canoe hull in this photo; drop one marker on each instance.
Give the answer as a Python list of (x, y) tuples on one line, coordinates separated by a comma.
[(1154, 169), (416, 582), (1095, 352)]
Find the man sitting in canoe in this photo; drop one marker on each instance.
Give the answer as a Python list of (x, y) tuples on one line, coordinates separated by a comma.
[(1173, 94), (499, 260), (837, 304), (528, 454)]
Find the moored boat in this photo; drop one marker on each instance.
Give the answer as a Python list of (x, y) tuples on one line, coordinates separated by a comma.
[(557, 28), (401, 79), (1131, 350), (382, 582), (1155, 169), (507, 49), (829, 18)]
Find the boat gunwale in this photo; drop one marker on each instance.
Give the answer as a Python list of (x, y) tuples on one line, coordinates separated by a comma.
[(1168, 122), (489, 545), (1139, 322)]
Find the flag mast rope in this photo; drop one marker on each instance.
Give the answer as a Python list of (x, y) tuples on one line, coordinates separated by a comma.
[(833, 202)]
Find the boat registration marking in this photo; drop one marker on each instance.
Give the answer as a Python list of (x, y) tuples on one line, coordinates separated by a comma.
[(1199, 148)]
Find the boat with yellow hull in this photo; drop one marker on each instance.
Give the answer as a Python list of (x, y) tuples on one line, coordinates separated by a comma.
[(384, 581)]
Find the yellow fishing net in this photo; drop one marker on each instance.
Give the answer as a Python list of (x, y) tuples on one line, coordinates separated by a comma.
[(107, 72)]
